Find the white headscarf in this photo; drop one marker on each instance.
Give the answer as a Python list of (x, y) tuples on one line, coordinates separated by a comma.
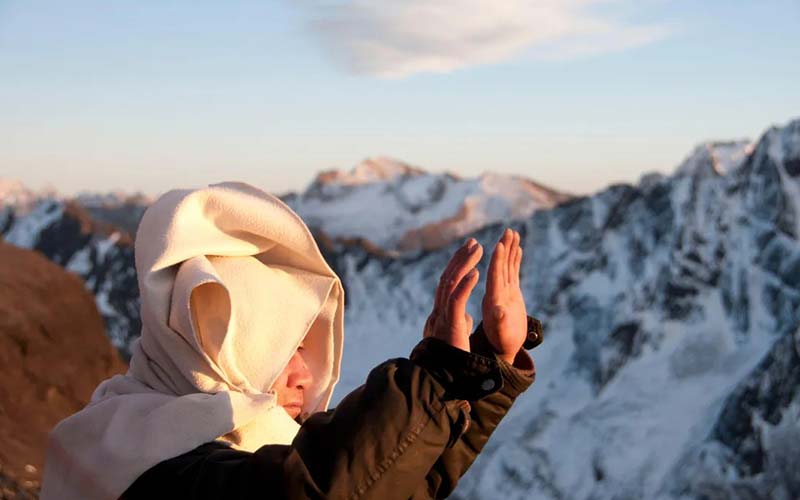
[(231, 282)]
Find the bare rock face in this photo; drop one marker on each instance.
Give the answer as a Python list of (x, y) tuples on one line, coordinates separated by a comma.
[(53, 353)]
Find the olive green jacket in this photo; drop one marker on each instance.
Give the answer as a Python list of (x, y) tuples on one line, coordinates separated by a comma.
[(411, 431)]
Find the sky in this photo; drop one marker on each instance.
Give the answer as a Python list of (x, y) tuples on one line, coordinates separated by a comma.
[(150, 95)]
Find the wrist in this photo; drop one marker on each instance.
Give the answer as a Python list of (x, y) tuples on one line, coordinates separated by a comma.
[(462, 375)]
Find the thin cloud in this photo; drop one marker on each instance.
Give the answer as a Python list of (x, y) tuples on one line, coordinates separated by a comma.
[(398, 38)]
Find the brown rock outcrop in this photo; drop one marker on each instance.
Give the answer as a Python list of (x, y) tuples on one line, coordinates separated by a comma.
[(53, 353)]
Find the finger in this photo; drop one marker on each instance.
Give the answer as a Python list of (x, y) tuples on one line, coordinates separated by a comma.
[(512, 249), (512, 257), (457, 305), (508, 242), (440, 296), (495, 280), (455, 267), (461, 270), (456, 308), (457, 258), (517, 262)]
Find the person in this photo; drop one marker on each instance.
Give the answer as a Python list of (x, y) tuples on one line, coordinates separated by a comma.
[(228, 386)]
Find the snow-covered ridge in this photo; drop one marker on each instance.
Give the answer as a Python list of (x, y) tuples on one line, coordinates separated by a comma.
[(717, 157), (14, 193), (375, 169), (397, 207), (383, 203), (112, 199)]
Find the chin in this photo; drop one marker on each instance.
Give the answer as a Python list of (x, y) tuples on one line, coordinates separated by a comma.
[(293, 411)]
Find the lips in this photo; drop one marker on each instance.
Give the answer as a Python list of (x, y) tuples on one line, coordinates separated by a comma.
[(293, 407)]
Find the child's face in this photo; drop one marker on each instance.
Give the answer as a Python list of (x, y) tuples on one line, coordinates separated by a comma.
[(292, 382)]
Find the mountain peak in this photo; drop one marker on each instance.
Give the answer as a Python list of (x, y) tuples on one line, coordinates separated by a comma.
[(399, 207), (15, 193), (784, 144), (505, 185), (716, 157), (370, 170), (114, 198)]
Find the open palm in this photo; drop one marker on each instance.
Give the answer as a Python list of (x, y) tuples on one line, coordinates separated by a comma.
[(449, 320), (505, 319)]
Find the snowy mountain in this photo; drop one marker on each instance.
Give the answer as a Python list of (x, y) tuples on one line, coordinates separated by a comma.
[(396, 207), (14, 193), (671, 362), (91, 234), (721, 157), (30, 211), (120, 209), (98, 252)]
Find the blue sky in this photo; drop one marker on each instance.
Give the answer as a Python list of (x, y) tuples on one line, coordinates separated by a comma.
[(154, 94)]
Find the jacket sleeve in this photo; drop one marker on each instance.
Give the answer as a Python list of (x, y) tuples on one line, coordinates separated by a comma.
[(484, 416), (380, 442)]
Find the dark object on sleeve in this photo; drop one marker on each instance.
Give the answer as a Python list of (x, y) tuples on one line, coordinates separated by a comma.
[(535, 333), (411, 431)]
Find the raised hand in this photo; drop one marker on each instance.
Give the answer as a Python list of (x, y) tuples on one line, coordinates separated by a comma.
[(449, 320), (505, 320)]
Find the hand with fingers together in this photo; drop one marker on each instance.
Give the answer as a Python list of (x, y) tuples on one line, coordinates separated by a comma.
[(505, 319), (449, 320)]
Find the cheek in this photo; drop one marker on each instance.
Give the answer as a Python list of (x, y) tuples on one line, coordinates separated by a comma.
[(280, 383), (289, 374)]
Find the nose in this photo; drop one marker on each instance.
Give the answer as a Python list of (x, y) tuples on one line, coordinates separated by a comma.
[(301, 376)]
